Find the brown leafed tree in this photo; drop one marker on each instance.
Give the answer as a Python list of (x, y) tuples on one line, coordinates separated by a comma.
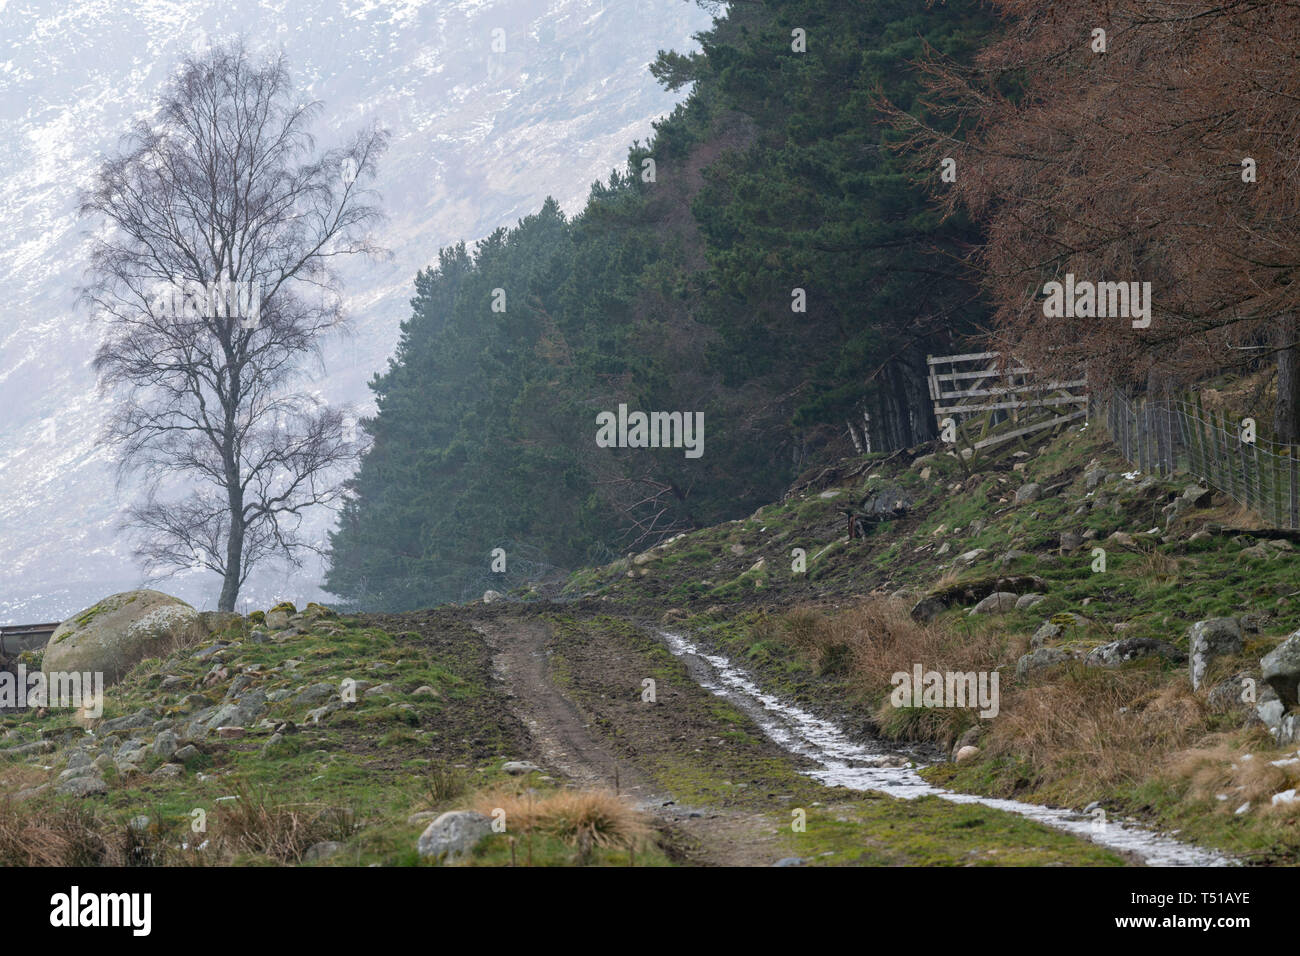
[(212, 273), (1127, 165)]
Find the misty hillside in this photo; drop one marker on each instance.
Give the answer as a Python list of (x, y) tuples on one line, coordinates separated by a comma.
[(478, 140)]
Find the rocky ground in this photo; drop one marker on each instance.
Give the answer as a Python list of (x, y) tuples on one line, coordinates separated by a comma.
[(1156, 684)]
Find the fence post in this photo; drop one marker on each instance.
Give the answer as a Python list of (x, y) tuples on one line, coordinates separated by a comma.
[(1292, 498)]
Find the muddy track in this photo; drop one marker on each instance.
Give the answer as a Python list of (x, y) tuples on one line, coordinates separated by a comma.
[(561, 733), (566, 741)]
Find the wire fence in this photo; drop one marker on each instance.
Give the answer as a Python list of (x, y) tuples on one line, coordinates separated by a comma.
[(1163, 437)]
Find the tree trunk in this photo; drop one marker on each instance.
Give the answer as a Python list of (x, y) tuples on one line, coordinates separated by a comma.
[(1286, 414), (234, 564)]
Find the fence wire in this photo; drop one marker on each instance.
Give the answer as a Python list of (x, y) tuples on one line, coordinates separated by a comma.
[(1175, 435)]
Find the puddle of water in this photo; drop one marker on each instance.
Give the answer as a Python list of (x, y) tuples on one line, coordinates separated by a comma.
[(866, 766)]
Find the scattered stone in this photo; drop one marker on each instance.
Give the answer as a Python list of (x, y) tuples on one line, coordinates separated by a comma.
[(1027, 493), (166, 744), (1029, 601), (790, 861), (453, 835), (82, 786), (1230, 694), (1281, 669), (490, 597), (187, 753), (969, 557), (321, 851), (229, 732), (518, 767), (1131, 649), (967, 754), (999, 602), (171, 682), (1040, 659), (168, 770), (425, 691), (137, 721), (314, 693), (1210, 639)]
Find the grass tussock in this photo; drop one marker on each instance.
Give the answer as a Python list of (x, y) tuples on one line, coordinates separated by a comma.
[(585, 819), (255, 823)]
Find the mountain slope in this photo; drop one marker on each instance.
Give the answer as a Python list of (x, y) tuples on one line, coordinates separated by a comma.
[(478, 139)]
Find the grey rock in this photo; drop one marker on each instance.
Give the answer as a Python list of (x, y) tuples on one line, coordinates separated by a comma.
[(137, 721), (321, 851), (1029, 601), (790, 861), (314, 693), (1211, 639), (1042, 658), (1131, 649), (453, 835), (1232, 694), (1269, 708), (1046, 632), (1027, 493), (969, 557), (186, 754), (1281, 669), (999, 602), (166, 744), (82, 786)]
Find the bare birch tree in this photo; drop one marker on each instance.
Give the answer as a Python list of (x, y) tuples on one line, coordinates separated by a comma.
[(213, 274)]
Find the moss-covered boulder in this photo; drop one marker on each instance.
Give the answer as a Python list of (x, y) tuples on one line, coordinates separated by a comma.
[(114, 635)]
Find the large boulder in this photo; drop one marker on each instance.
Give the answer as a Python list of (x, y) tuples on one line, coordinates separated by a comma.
[(1211, 639), (1281, 669), (453, 835), (120, 631)]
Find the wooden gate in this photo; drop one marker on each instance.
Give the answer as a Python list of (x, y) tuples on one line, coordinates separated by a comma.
[(978, 392)]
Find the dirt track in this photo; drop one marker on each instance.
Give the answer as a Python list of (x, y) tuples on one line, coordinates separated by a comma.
[(566, 740)]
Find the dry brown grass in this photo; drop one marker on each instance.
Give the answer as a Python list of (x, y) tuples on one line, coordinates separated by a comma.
[(1221, 768), (1092, 727), (581, 818), (31, 836), (1070, 730), (876, 638), (255, 823), (1159, 567)]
